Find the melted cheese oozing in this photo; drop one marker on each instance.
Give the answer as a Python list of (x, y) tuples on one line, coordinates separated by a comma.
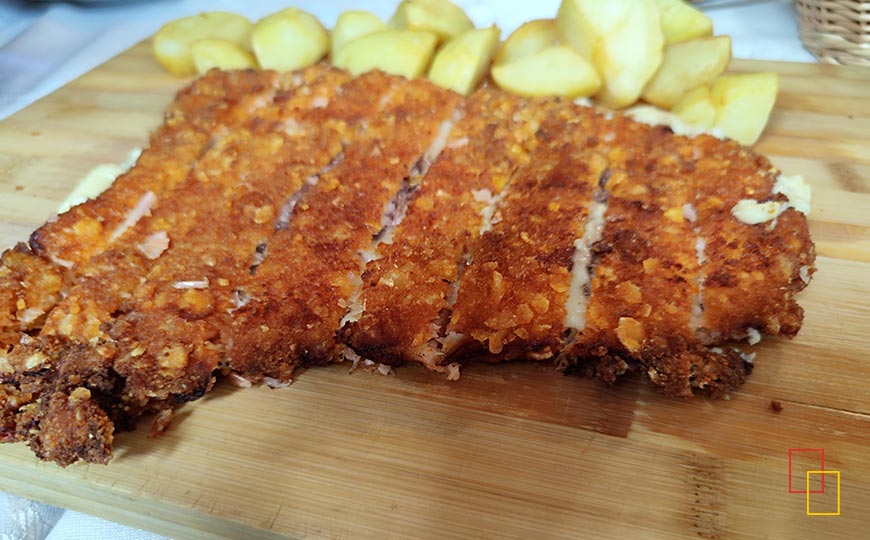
[(796, 190), (647, 114), (752, 212)]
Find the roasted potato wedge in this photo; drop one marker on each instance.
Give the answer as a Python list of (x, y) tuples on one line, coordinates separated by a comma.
[(686, 65), (629, 55), (288, 40), (441, 17), (743, 104), (682, 22), (463, 61), (581, 23), (697, 108), (555, 71), (354, 24), (171, 44), (530, 38), (400, 52), (221, 54)]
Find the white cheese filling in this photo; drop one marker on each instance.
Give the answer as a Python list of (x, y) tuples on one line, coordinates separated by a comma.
[(654, 116), (796, 190)]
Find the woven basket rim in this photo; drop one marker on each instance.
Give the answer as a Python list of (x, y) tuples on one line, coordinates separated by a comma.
[(835, 31)]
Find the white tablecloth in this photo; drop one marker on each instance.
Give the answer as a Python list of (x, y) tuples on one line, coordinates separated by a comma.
[(45, 45)]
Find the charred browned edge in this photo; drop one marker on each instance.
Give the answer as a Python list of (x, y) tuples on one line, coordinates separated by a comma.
[(69, 411), (406, 289), (512, 297), (298, 301)]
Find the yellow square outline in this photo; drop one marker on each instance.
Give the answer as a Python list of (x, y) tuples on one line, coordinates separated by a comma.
[(837, 513)]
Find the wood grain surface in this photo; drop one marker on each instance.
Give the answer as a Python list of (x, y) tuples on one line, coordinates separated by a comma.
[(511, 451)]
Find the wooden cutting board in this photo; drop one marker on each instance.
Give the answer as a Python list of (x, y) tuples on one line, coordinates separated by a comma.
[(511, 451)]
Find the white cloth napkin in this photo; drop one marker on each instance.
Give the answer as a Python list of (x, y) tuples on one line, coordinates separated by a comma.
[(22, 519), (43, 46)]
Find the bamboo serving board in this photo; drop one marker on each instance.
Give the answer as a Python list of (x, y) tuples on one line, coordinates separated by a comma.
[(511, 451)]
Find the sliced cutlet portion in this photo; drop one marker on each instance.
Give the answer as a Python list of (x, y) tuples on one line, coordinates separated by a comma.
[(201, 114), (511, 301), (645, 267), (655, 270), (135, 331), (33, 275), (189, 300), (409, 287), (30, 286), (303, 288), (220, 185), (752, 272)]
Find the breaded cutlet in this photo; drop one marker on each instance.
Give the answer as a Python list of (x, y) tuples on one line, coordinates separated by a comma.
[(151, 298), (411, 283), (32, 275), (654, 303), (511, 300), (644, 290), (317, 217), (741, 259), (300, 296)]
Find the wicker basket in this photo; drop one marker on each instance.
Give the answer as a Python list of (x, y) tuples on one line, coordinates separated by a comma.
[(836, 31)]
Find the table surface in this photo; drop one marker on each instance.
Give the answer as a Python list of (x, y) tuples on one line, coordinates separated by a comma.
[(775, 38)]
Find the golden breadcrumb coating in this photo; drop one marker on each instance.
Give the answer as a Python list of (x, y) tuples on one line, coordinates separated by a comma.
[(410, 284), (512, 296), (311, 286), (281, 220)]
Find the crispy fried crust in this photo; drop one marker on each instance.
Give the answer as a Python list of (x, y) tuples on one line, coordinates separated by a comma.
[(646, 268), (216, 104), (752, 271), (512, 297), (311, 288), (270, 207), (648, 279), (29, 287), (169, 337), (157, 338), (408, 287)]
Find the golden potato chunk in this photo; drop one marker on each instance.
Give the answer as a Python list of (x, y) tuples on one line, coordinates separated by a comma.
[(441, 17), (743, 104), (556, 71), (462, 62), (581, 23), (171, 44), (221, 54), (682, 22), (686, 65), (629, 55), (290, 39), (399, 52), (530, 38), (354, 24), (697, 108)]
